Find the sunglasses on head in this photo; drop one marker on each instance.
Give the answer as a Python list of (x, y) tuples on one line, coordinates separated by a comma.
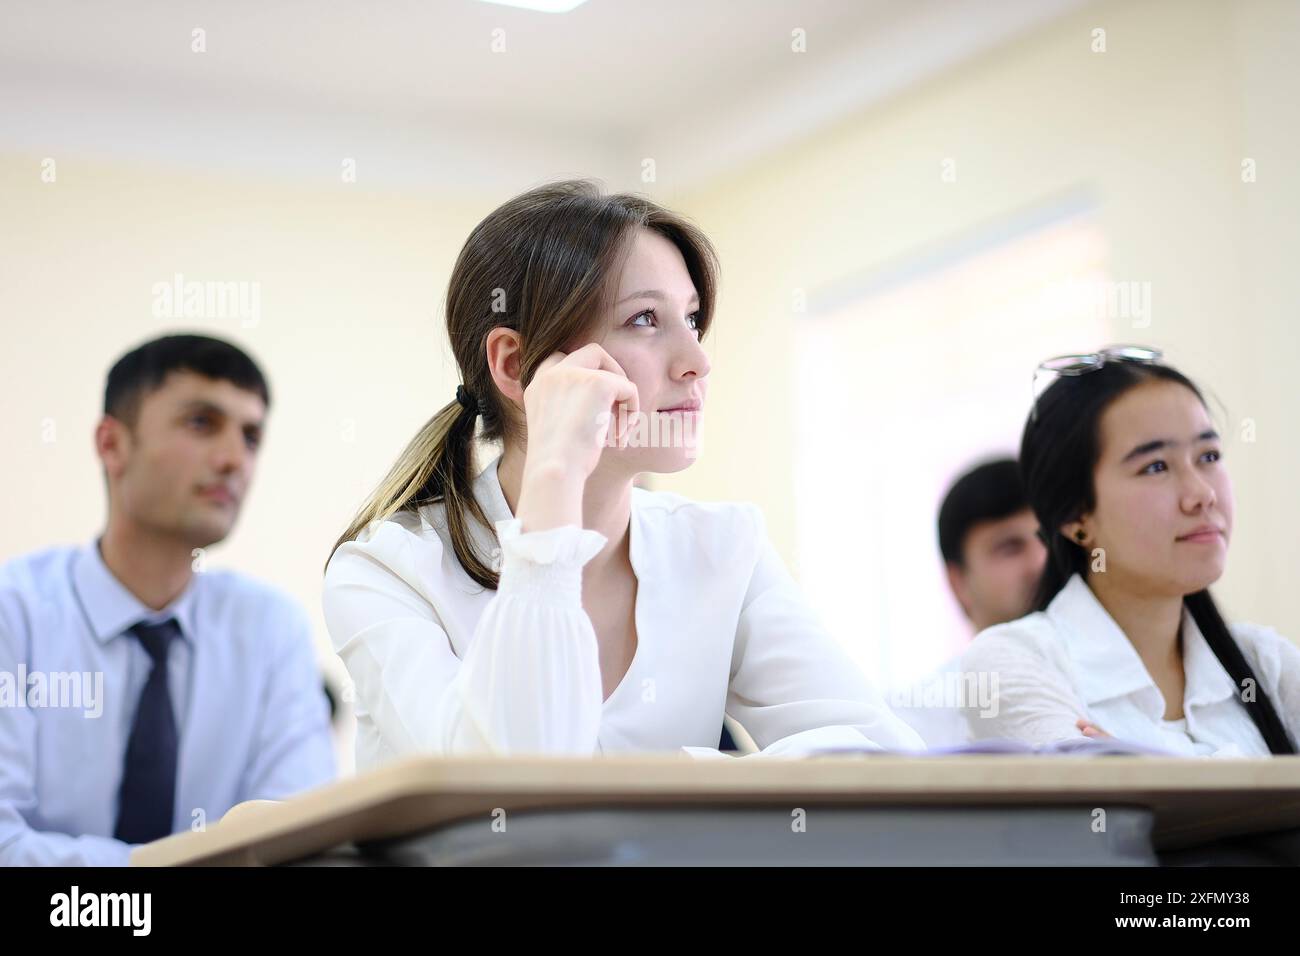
[(1089, 362)]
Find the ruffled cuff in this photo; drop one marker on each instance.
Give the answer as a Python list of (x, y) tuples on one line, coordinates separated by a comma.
[(546, 564)]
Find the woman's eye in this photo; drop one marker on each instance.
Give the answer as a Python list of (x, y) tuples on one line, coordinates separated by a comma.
[(692, 320), (1154, 467), (1213, 455), (203, 420)]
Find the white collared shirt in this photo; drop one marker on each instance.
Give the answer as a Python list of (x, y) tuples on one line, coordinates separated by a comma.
[(442, 665), (1072, 660)]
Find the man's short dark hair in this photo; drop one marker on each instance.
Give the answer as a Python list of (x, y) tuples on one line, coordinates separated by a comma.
[(144, 369), (988, 492)]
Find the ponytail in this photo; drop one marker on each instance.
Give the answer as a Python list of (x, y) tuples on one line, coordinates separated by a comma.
[(1207, 617), (437, 465)]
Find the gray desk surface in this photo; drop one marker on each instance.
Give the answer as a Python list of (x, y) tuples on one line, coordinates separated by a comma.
[(775, 836)]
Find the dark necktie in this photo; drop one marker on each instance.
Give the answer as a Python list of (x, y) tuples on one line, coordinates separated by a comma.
[(148, 795)]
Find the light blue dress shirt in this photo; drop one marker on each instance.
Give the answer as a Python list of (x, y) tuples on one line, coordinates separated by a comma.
[(250, 710)]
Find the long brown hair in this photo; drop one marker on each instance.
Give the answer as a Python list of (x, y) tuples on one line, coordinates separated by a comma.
[(545, 264)]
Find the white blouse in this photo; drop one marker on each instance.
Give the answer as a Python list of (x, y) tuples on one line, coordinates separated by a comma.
[(1052, 667), (442, 665)]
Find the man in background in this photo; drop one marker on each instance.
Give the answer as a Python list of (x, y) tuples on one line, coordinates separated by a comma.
[(993, 558), (148, 693)]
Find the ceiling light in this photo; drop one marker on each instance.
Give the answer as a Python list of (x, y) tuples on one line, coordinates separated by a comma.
[(543, 6)]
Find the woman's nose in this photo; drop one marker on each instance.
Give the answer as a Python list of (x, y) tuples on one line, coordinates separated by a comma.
[(691, 358), (1198, 493)]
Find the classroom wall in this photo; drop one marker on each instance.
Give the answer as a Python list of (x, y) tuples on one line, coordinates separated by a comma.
[(1154, 131)]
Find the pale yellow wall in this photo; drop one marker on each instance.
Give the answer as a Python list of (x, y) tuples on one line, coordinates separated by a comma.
[(1155, 130)]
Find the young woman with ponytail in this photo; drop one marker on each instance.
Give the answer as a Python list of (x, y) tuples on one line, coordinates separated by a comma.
[(1123, 469), (544, 603)]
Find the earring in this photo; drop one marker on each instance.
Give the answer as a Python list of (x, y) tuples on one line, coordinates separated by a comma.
[(1079, 535)]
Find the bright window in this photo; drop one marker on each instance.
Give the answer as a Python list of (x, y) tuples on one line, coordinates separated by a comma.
[(917, 375)]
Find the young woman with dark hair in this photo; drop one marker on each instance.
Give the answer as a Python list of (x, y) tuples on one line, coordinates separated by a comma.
[(1123, 469)]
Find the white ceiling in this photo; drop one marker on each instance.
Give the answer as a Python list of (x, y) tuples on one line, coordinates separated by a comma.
[(413, 91)]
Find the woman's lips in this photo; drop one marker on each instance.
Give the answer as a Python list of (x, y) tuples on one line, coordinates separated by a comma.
[(1202, 537)]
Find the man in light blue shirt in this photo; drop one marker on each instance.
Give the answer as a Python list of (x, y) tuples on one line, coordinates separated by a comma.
[(142, 693)]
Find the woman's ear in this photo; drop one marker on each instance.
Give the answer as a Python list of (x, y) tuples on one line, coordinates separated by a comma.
[(1076, 531), (503, 348)]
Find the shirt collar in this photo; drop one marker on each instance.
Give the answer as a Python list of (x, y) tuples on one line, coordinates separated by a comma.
[(111, 609), (487, 489), (1108, 664), (1208, 681)]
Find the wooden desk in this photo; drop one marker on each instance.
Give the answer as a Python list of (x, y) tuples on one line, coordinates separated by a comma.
[(1193, 800)]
